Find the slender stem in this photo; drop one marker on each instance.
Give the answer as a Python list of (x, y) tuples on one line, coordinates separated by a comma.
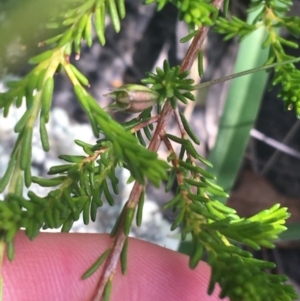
[(95, 155), (183, 135), (145, 123), (175, 160), (179, 122), (14, 178), (120, 237), (232, 76)]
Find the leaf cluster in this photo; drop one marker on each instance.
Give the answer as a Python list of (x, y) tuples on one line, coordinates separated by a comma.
[(271, 16), (37, 89), (172, 84), (252, 282), (193, 12), (234, 28), (214, 227), (218, 231), (82, 183), (76, 22)]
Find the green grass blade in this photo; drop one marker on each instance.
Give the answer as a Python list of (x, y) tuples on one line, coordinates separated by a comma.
[(240, 110)]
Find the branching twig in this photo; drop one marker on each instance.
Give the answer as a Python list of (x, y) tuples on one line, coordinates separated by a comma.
[(120, 237), (175, 161), (145, 123), (95, 155), (179, 122), (183, 135)]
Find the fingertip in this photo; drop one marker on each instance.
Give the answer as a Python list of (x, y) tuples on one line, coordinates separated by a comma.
[(157, 273), (50, 268)]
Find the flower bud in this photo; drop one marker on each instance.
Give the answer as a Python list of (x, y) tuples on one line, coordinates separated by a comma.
[(133, 98)]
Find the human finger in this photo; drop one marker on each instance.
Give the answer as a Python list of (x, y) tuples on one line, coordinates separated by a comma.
[(50, 268)]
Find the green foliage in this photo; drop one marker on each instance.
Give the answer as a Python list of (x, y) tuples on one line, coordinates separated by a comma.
[(259, 287), (216, 229), (272, 16), (192, 12), (96, 265), (80, 186), (234, 28), (172, 84)]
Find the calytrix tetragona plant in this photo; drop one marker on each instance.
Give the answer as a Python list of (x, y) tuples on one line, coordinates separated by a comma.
[(81, 184)]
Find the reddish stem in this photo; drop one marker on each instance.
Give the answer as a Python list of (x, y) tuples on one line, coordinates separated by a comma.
[(120, 237)]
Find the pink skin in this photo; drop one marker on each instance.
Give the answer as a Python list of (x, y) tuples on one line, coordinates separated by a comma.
[(49, 268)]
